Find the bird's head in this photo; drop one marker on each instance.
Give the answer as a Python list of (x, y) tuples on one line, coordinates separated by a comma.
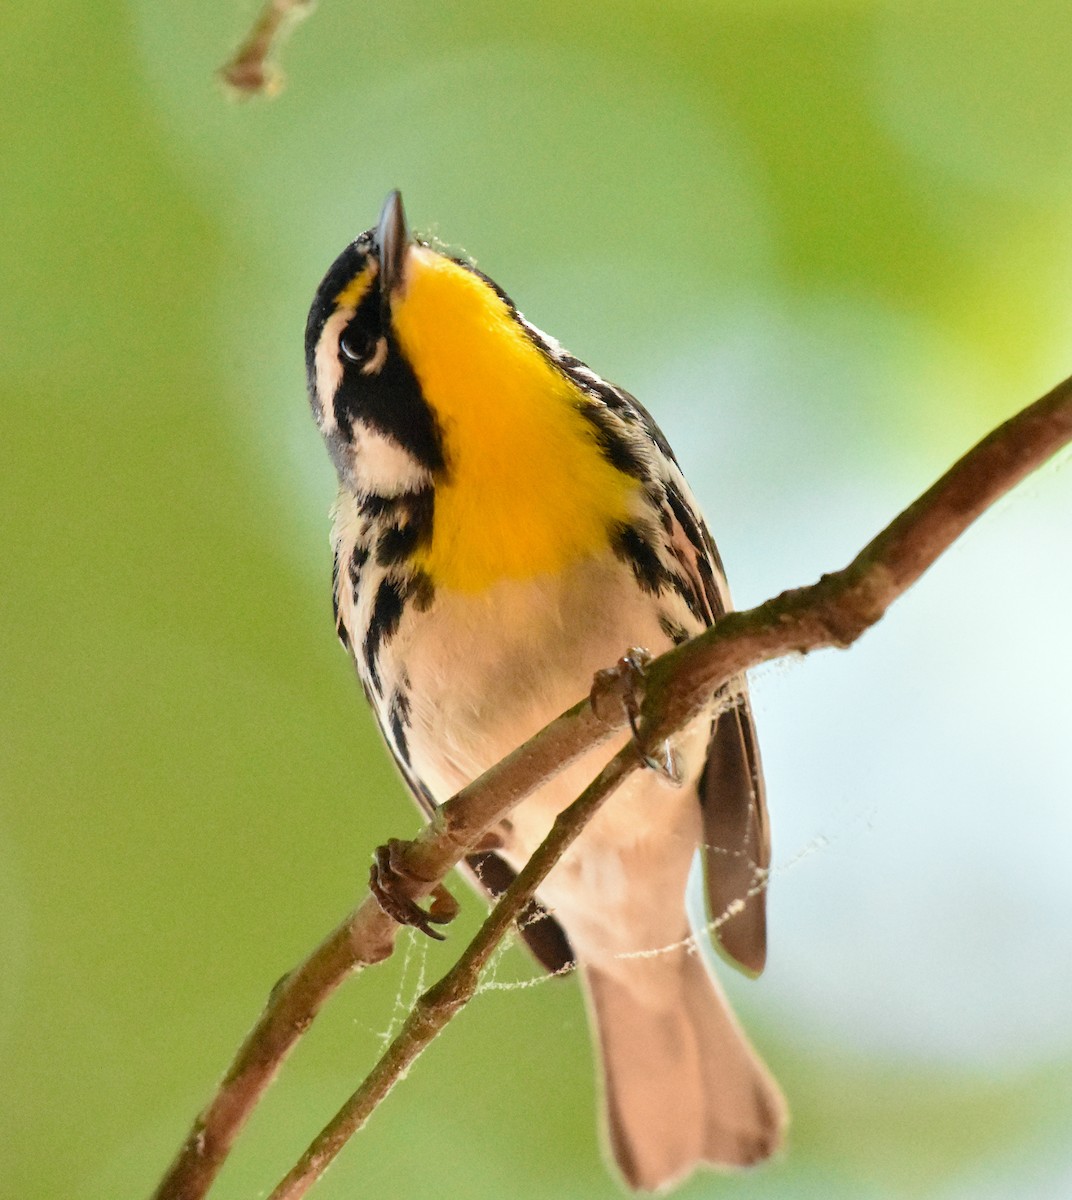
[(424, 376), (403, 341)]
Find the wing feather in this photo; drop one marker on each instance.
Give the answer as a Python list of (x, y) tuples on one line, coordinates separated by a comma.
[(736, 851)]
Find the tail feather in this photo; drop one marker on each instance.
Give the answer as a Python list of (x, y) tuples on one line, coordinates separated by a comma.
[(682, 1085)]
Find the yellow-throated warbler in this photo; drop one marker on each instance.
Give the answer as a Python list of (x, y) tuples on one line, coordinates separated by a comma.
[(508, 523)]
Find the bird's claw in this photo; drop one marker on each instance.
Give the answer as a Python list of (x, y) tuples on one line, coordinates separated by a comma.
[(625, 683), (390, 883)]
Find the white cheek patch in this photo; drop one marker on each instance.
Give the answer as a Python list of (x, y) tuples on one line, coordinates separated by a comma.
[(328, 368), (381, 465)]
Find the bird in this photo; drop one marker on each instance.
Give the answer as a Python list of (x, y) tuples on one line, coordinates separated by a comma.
[(507, 523)]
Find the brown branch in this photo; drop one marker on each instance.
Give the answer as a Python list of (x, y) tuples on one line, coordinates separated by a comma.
[(833, 612), (367, 936), (250, 71), (446, 998), (843, 605)]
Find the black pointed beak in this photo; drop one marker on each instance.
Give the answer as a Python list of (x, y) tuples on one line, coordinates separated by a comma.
[(392, 239)]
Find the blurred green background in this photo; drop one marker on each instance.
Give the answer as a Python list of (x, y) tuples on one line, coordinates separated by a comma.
[(829, 244)]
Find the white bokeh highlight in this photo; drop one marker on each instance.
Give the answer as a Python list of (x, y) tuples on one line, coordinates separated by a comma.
[(920, 783)]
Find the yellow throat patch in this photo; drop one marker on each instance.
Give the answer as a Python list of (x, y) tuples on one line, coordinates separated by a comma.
[(527, 491)]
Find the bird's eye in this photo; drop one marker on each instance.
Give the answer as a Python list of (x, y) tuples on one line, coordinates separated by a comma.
[(354, 347), (369, 353)]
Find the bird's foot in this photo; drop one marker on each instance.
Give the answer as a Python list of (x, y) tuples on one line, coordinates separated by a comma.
[(392, 884), (622, 687)]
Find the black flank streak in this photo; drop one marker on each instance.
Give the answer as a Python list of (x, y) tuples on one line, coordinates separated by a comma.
[(707, 576), (383, 625), (371, 505), (656, 494), (675, 632), (706, 554), (341, 631), (397, 721), (695, 603), (611, 440), (396, 544), (373, 685), (409, 518), (416, 507), (358, 558), (588, 381), (687, 520), (629, 545), (424, 796), (422, 591), (420, 512)]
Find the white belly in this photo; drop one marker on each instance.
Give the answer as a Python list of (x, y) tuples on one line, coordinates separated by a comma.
[(486, 672)]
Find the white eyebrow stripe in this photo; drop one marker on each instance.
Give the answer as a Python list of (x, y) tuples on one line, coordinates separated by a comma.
[(328, 368)]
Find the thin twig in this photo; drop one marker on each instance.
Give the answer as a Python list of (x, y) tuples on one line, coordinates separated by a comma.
[(446, 998), (833, 612), (250, 72)]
